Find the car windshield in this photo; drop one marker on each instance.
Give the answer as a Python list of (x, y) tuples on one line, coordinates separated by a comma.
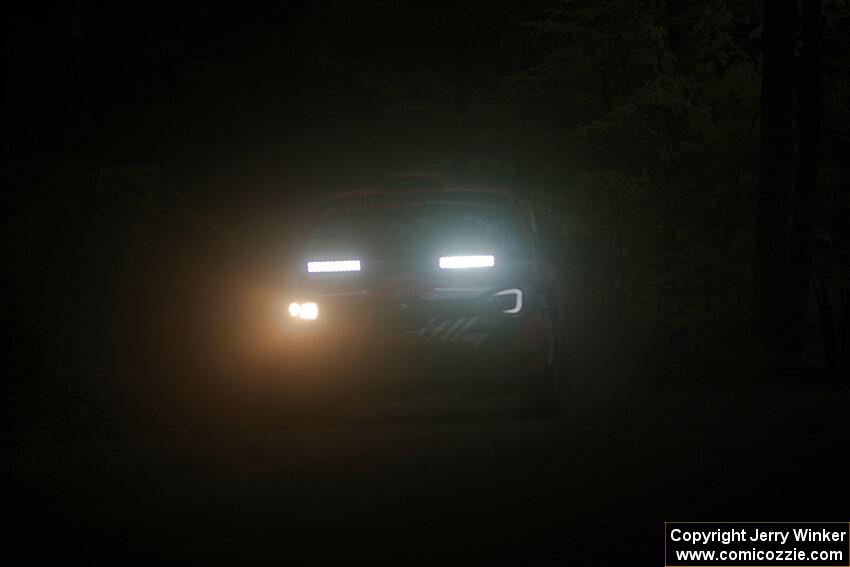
[(400, 225)]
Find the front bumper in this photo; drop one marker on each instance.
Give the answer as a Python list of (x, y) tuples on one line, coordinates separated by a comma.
[(467, 351)]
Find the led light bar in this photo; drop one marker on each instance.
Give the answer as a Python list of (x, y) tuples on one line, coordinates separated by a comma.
[(461, 262), (326, 266)]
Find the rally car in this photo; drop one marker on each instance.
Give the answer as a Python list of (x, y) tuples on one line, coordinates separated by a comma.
[(418, 284)]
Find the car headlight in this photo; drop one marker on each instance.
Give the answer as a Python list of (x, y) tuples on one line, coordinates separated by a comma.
[(516, 295), (461, 262), (294, 309), (308, 311)]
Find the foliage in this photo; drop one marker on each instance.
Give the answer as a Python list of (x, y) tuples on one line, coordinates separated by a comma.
[(656, 103)]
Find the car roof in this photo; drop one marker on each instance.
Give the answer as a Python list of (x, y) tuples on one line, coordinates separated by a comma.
[(449, 189), (418, 181)]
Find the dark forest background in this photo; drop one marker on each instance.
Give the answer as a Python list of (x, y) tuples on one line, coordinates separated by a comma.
[(688, 159)]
